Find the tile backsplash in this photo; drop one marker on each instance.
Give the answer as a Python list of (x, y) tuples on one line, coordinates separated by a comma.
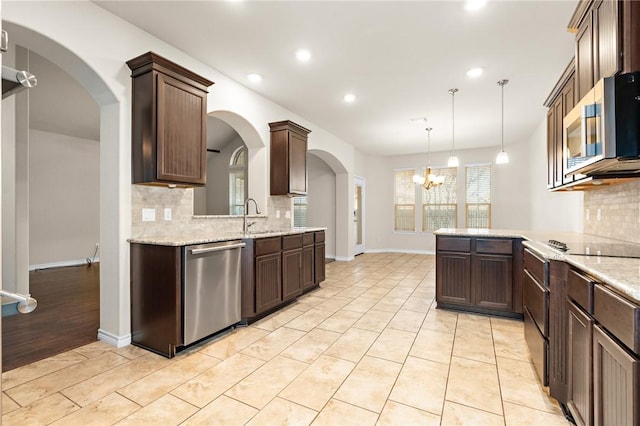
[(184, 223), (619, 207)]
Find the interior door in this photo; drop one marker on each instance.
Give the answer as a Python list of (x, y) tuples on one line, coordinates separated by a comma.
[(358, 216)]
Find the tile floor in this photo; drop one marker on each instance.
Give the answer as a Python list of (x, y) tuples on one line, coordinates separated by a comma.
[(368, 348)]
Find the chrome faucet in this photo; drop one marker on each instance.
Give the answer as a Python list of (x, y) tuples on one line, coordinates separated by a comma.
[(245, 226)]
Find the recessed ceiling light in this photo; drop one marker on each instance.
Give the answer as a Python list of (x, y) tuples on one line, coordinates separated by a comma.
[(303, 55), (475, 72), (254, 78), (349, 98), (418, 120), (473, 5)]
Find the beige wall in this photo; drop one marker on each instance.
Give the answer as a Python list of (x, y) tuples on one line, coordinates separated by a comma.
[(64, 194), (321, 200)]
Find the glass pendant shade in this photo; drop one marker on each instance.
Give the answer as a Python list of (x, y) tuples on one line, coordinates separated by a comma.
[(453, 161), (502, 158)]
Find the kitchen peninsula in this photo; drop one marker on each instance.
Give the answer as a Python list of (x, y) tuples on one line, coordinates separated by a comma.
[(581, 309)]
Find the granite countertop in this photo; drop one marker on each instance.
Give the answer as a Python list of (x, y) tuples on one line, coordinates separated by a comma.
[(187, 240), (621, 274)]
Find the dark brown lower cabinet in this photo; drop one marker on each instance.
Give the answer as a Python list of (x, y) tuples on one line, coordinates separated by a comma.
[(268, 281), (319, 263), (453, 270), (538, 347), (291, 274), (616, 382), (308, 272), (493, 285), (580, 346)]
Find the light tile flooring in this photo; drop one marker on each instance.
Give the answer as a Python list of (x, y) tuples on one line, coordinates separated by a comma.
[(368, 348)]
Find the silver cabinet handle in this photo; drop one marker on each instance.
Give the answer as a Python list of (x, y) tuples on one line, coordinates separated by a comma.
[(217, 248)]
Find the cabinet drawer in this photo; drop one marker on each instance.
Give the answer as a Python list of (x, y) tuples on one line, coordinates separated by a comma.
[(494, 246), (580, 289), (536, 300), (534, 265), (307, 239), (454, 244), (291, 242), (538, 347), (268, 245), (319, 237), (619, 316)]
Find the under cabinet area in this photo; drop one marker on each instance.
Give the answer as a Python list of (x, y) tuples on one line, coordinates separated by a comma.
[(477, 274), (276, 270), (168, 129)]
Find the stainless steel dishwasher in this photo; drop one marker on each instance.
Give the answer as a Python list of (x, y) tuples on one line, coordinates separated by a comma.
[(211, 293)]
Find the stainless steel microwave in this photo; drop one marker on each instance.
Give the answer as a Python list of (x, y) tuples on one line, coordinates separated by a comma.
[(602, 132)]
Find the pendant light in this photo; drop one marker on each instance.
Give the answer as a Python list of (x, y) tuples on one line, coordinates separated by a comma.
[(430, 179), (453, 160), (502, 157)]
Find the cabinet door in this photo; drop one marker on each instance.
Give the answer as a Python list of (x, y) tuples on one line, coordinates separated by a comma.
[(291, 274), (551, 148), (181, 132), (453, 278), (493, 281), (308, 273), (615, 382), (568, 102), (580, 397), (268, 281), (319, 263), (558, 114), (605, 35), (297, 164), (584, 58)]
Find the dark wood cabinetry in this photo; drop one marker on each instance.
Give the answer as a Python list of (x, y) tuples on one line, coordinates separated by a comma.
[(156, 309), (168, 137), (580, 369), (477, 274), (560, 102), (288, 158), (535, 299), (276, 270), (584, 57)]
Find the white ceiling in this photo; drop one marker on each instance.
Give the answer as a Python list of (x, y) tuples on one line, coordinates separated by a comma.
[(400, 58)]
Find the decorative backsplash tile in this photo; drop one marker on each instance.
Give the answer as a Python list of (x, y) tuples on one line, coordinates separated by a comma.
[(183, 222), (619, 207)]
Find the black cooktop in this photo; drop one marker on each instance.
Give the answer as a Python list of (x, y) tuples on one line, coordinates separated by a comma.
[(598, 249)]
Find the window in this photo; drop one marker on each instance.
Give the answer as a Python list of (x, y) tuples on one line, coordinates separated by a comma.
[(439, 209), (478, 203), (404, 201), (300, 212), (237, 181)]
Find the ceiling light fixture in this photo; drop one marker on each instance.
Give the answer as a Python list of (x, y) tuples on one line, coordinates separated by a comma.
[(254, 78), (502, 157), (475, 72), (349, 98), (473, 5), (303, 55), (430, 179), (453, 160)]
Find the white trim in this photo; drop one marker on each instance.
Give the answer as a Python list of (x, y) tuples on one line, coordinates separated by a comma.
[(360, 181), (76, 262), (400, 251), (344, 258), (113, 340)]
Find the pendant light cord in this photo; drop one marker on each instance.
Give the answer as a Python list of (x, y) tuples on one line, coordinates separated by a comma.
[(501, 83), (453, 121), (428, 129)]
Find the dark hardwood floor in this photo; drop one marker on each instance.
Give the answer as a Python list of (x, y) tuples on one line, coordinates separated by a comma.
[(67, 316)]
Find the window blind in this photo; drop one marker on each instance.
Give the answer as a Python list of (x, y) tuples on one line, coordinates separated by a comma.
[(404, 200), (439, 208), (478, 196)]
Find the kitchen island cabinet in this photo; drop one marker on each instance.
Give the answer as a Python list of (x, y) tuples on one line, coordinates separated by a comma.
[(477, 274), (168, 131)]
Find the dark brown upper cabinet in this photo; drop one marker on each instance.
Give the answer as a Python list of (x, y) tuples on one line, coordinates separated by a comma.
[(168, 129), (607, 40), (288, 158)]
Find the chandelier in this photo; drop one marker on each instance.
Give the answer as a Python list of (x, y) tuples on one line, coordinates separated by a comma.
[(430, 179)]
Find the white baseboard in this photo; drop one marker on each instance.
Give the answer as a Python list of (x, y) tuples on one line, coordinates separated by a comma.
[(344, 258), (400, 251), (64, 263), (113, 340)]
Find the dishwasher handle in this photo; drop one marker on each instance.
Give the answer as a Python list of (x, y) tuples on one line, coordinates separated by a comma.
[(216, 248)]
